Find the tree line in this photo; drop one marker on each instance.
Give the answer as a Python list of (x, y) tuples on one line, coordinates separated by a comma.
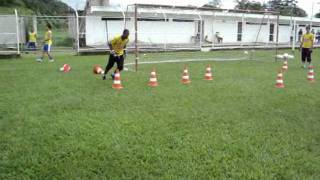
[(39, 7), (285, 7)]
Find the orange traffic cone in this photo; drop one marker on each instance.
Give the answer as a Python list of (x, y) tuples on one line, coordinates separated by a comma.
[(208, 75), (285, 65), (97, 69), (153, 79), (185, 76), (279, 82), (311, 74), (117, 82), (65, 68)]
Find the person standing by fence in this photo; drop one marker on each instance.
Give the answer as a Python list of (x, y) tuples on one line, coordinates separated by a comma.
[(47, 44), (32, 40)]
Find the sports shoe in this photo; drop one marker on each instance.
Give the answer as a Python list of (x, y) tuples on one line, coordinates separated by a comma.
[(51, 60), (39, 60)]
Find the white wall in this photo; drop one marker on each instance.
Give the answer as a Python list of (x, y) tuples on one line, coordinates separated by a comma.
[(251, 31), (227, 29), (95, 31), (284, 34), (165, 32), (148, 31)]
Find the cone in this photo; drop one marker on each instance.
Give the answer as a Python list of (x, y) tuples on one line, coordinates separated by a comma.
[(208, 75), (285, 65), (117, 82), (311, 74), (279, 82), (97, 69), (153, 79), (65, 68), (185, 76)]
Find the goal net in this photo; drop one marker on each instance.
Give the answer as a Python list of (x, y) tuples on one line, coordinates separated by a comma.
[(177, 28), (161, 28)]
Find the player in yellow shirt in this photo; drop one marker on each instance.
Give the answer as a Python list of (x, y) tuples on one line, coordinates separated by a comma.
[(117, 52), (47, 44), (32, 40), (306, 47)]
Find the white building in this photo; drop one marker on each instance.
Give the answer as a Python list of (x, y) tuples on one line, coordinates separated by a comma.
[(169, 27)]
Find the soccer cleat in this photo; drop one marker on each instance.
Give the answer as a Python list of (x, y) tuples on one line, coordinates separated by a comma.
[(51, 60)]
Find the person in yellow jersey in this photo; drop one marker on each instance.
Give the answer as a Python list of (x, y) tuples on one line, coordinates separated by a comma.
[(47, 45), (117, 52), (306, 46), (32, 40)]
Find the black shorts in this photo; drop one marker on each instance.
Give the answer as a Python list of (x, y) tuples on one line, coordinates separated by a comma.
[(306, 54), (115, 59)]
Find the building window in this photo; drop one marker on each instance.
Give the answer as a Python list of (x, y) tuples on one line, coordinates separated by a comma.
[(271, 34), (239, 35)]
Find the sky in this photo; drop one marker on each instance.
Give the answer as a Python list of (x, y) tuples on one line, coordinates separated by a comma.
[(227, 4)]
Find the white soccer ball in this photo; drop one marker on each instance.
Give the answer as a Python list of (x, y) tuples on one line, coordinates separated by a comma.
[(280, 56), (286, 55), (246, 52), (61, 69), (125, 69), (144, 54)]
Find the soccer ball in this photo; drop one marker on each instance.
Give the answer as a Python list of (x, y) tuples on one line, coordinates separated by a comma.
[(279, 56), (246, 52), (65, 68)]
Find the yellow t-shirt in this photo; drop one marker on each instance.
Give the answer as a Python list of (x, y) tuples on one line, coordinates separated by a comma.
[(32, 37), (118, 44), (307, 40), (48, 37)]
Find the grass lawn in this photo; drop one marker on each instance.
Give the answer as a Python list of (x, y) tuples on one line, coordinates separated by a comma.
[(73, 125)]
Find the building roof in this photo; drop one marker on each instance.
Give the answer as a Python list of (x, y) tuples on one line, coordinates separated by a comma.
[(192, 11)]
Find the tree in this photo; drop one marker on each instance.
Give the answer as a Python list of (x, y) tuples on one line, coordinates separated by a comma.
[(46, 7), (317, 15), (286, 8), (213, 4), (250, 5)]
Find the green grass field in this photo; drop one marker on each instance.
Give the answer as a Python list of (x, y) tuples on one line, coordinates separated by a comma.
[(56, 125)]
